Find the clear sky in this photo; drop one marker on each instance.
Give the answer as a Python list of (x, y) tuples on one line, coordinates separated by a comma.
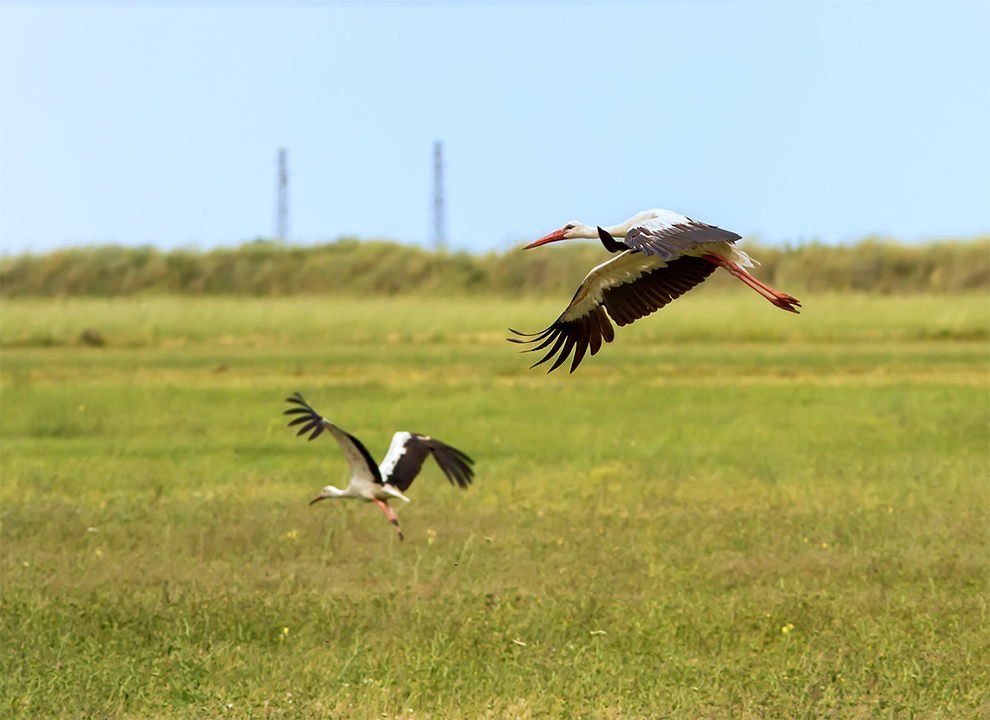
[(159, 122)]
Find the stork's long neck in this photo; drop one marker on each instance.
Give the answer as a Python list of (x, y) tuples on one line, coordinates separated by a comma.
[(331, 492)]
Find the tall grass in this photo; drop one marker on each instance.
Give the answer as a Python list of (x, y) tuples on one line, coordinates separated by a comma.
[(387, 268)]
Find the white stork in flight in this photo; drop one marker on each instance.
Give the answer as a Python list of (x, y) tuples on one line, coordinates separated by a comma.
[(661, 255), (379, 483)]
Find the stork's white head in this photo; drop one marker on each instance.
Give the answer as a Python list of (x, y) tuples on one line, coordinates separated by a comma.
[(570, 231), (328, 492)]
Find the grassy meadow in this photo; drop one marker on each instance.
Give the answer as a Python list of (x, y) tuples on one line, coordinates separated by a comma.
[(731, 511)]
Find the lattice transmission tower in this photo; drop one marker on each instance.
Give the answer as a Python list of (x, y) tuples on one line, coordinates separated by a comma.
[(282, 197), (439, 222)]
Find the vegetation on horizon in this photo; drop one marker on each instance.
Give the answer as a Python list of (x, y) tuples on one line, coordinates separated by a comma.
[(352, 267)]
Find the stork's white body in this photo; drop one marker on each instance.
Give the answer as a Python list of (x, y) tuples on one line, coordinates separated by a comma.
[(360, 489), (656, 220), (363, 485), (657, 223)]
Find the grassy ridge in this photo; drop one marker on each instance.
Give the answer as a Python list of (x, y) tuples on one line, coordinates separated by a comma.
[(726, 512), (386, 268)]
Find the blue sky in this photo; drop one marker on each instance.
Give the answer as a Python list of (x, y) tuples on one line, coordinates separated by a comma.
[(159, 122)]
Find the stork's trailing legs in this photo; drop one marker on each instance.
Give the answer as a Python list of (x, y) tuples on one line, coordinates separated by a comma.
[(391, 515), (784, 302)]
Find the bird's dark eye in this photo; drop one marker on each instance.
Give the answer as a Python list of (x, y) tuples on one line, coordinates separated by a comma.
[(569, 227)]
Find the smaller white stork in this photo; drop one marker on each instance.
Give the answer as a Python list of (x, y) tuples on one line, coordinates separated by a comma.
[(660, 256), (373, 483)]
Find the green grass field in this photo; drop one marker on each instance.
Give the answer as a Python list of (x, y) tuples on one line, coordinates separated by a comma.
[(729, 512)]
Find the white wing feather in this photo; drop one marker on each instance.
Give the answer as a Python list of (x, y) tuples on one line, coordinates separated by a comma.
[(626, 267), (395, 452)]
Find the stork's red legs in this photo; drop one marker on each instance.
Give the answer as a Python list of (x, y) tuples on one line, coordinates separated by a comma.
[(391, 515), (784, 302)]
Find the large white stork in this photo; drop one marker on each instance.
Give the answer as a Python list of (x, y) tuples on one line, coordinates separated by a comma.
[(379, 483), (660, 256)]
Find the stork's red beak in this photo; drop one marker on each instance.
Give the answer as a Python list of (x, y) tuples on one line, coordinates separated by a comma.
[(321, 496), (552, 237)]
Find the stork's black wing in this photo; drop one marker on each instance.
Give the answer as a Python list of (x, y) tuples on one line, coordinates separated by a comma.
[(630, 286), (407, 452), (672, 236)]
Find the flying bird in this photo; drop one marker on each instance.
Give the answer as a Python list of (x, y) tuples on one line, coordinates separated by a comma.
[(658, 256), (380, 483)]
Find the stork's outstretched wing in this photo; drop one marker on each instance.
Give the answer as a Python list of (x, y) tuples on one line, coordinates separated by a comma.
[(358, 458), (670, 235), (407, 452), (629, 286)]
